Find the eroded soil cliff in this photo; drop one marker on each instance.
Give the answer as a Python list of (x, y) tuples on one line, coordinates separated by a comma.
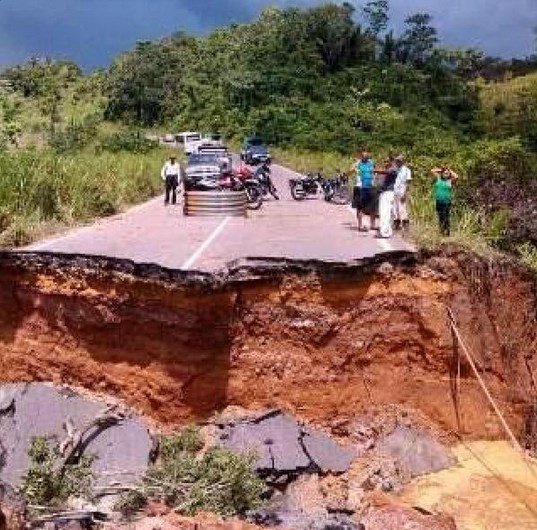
[(321, 341)]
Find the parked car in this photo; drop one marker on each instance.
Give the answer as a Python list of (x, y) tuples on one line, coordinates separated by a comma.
[(203, 166), (220, 151), (254, 151)]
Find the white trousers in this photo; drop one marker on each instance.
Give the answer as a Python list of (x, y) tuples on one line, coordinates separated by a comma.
[(386, 200), (400, 210)]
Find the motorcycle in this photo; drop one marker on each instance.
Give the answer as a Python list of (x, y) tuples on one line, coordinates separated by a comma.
[(306, 185), (229, 182), (336, 189), (263, 175)]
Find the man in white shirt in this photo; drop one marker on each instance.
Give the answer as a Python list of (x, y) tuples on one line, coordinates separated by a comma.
[(171, 174), (400, 210)]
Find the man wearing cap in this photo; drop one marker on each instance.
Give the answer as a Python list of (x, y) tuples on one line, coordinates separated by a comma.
[(400, 210), (171, 174)]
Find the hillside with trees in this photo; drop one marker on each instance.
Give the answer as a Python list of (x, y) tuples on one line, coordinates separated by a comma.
[(316, 83)]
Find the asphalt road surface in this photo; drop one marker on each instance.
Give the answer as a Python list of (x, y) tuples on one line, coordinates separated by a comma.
[(153, 233)]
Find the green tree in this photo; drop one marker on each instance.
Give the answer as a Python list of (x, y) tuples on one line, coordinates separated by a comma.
[(467, 62), (50, 97), (142, 84), (418, 40), (376, 14)]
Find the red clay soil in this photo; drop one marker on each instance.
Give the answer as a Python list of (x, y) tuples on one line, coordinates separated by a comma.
[(323, 347)]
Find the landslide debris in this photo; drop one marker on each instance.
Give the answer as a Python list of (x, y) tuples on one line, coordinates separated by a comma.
[(120, 448), (319, 340), (283, 446), (318, 345)]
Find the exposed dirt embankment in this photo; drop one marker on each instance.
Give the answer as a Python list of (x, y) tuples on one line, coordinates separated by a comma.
[(321, 341)]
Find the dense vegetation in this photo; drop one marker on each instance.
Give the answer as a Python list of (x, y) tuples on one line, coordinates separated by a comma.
[(316, 83), (190, 480), (60, 162)]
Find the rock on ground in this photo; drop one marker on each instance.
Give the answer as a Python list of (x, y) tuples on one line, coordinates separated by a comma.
[(303, 506), (402, 518), (37, 409), (12, 509), (283, 445), (415, 450)]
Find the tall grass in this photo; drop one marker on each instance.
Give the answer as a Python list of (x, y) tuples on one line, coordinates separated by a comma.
[(326, 163), (42, 189)]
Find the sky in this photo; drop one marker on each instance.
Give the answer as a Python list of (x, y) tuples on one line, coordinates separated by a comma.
[(92, 32)]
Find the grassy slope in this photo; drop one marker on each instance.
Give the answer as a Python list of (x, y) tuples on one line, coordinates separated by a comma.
[(42, 191), (509, 107)]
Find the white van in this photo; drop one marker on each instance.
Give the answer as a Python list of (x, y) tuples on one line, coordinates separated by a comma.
[(189, 140)]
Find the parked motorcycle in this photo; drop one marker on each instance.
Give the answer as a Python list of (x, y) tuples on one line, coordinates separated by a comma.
[(229, 182), (336, 189), (306, 185), (263, 175)]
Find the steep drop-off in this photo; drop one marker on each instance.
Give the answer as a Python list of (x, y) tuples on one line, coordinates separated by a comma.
[(322, 341)]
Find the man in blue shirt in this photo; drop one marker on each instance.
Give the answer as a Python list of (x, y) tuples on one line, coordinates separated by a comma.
[(364, 197)]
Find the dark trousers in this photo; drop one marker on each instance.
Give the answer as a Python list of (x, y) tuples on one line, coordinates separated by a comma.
[(443, 209), (172, 181)]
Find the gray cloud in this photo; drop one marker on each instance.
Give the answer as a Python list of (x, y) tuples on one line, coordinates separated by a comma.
[(500, 27), (93, 31)]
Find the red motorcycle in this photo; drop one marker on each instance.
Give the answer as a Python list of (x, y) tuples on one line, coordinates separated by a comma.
[(261, 175)]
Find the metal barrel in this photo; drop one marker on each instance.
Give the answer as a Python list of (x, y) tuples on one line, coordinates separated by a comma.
[(215, 203)]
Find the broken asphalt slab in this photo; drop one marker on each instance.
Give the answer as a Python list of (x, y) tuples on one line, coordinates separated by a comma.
[(417, 451), (121, 450), (282, 445)]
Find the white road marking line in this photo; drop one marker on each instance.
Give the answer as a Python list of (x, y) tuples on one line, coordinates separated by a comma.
[(48, 243), (215, 233), (71, 233)]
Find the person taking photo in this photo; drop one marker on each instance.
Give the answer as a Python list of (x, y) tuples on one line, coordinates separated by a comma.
[(443, 179)]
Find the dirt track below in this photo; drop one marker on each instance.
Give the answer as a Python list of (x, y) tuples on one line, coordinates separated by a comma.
[(323, 341)]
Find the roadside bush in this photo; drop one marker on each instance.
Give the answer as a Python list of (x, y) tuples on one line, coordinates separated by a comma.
[(130, 141), (499, 159), (217, 480), (49, 485), (528, 254), (76, 135)]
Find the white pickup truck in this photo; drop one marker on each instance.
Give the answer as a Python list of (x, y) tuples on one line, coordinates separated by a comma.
[(191, 141)]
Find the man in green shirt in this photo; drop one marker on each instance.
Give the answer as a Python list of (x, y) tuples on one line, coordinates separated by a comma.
[(443, 179)]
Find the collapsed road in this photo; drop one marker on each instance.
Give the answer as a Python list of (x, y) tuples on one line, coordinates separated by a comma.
[(323, 341), (285, 229)]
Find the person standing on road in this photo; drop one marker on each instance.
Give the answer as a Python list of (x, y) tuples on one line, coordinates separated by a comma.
[(443, 179), (400, 210), (364, 197), (171, 174), (386, 198)]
